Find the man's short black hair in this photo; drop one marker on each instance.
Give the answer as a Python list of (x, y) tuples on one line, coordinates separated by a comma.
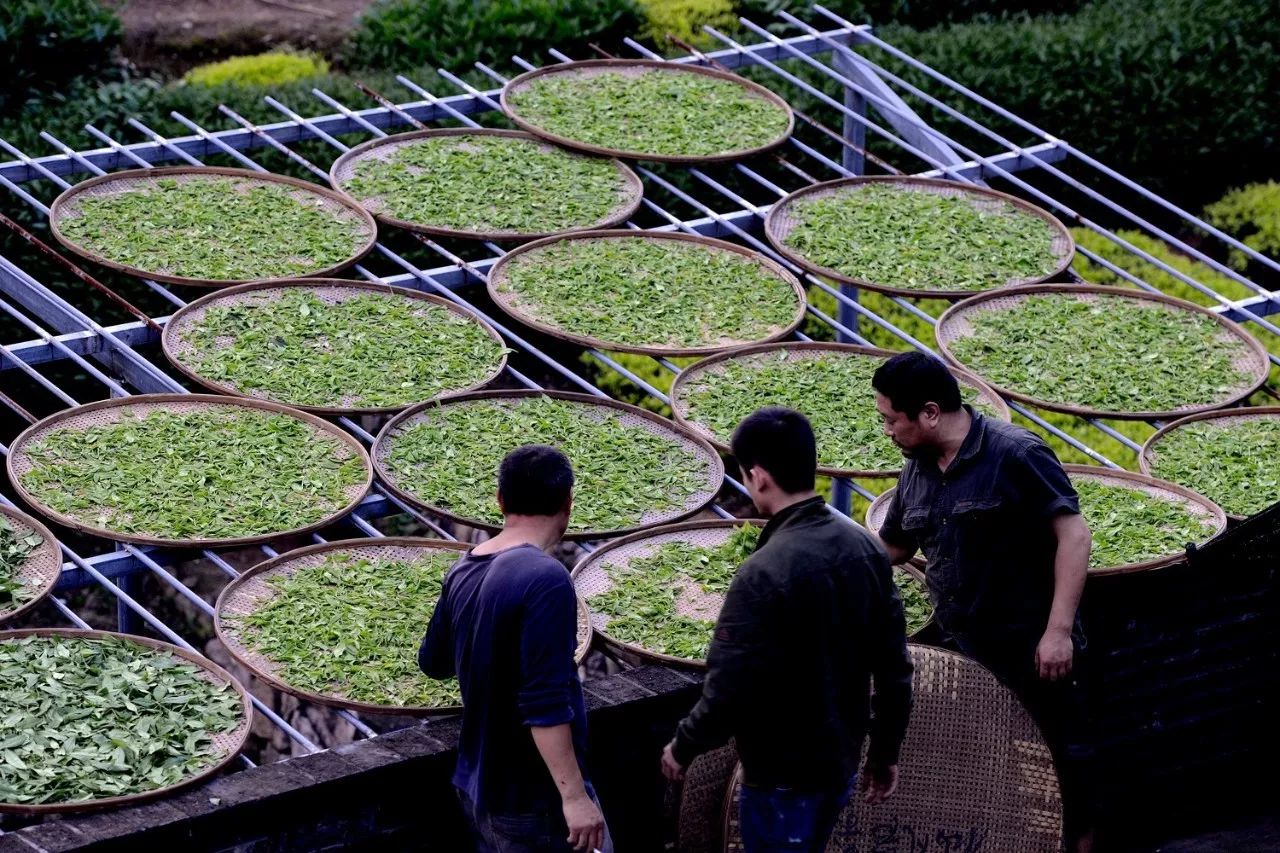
[(535, 480), (781, 442), (911, 379)]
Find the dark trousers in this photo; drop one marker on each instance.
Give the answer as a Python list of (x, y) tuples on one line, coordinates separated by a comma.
[(783, 820), (543, 832)]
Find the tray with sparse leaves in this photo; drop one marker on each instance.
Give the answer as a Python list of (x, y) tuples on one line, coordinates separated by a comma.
[(92, 719), (30, 563)]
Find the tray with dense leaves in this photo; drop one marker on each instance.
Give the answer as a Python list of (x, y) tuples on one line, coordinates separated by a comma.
[(918, 237), (189, 469), (656, 595), (1138, 522), (654, 293), (211, 227), (829, 383), (333, 346), (1231, 457), (643, 109), (485, 184), (340, 623), (633, 469), (90, 719), (30, 563), (1103, 352)]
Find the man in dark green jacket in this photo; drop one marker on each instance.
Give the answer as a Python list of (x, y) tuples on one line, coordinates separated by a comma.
[(810, 620)]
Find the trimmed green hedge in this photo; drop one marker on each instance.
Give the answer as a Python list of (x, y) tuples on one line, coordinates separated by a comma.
[(1252, 215)]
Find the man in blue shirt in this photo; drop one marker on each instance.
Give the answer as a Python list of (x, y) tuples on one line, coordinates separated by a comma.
[(506, 626)]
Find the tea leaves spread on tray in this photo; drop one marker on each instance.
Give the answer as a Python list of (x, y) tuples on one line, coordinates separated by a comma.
[(633, 291), (913, 239), (916, 606), (216, 227), (449, 459), (1105, 354), (1234, 463), (1130, 526), (15, 548), (350, 627), (833, 390), (658, 112), (642, 601), (206, 474), (369, 350), (488, 183), (84, 719)]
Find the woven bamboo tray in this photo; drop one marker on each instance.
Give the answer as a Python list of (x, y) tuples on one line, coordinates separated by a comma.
[(499, 290), (330, 290), (976, 772), (1198, 506), (700, 818), (110, 411), (228, 745), (67, 205), (804, 350), (630, 190), (955, 323), (251, 590), (629, 415), (592, 67), (1151, 447), (782, 220), (43, 566)]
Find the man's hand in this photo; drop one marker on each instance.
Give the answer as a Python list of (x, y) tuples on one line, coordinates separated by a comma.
[(671, 768), (1054, 655), (880, 783), (586, 824)]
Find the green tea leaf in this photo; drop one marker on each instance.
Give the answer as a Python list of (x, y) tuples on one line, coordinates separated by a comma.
[(1131, 526), (15, 548), (1234, 463)]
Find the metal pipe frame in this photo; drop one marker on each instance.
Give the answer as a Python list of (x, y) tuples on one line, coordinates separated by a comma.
[(110, 357)]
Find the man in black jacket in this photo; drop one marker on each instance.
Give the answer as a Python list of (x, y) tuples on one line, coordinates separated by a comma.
[(809, 621)]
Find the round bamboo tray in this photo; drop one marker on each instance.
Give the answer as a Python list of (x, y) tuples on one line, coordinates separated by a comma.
[(974, 767), (110, 411), (1196, 504), (252, 589), (329, 290), (1150, 449), (228, 745), (782, 220), (956, 323), (592, 67), (66, 206), (42, 567), (630, 190), (499, 285), (627, 414), (804, 350)]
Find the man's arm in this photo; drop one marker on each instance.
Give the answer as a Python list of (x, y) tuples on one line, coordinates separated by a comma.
[(891, 671), (1054, 655), (435, 655), (897, 544), (586, 824)]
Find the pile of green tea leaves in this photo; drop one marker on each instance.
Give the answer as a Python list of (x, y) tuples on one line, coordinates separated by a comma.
[(350, 627), (488, 183), (208, 474), (369, 350), (1104, 354), (916, 605), (1130, 526), (664, 113), (833, 390), (15, 548), (84, 719), (642, 599), (917, 240), (448, 459), (217, 228), (635, 291), (1231, 462)]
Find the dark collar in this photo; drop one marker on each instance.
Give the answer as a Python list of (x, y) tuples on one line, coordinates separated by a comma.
[(977, 432), (789, 514)]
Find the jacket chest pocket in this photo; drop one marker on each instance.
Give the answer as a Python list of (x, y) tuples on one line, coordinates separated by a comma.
[(978, 522)]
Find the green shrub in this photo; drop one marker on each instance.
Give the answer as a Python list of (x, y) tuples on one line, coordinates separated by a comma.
[(455, 34), (266, 69), (45, 43), (685, 19), (1252, 215), (1176, 93)]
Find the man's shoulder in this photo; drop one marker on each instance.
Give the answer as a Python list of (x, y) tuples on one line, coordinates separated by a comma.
[(1004, 438), (830, 533), (521, 568)]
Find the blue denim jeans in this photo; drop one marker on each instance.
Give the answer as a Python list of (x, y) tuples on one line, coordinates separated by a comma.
[(783, 820), (543, 832)]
